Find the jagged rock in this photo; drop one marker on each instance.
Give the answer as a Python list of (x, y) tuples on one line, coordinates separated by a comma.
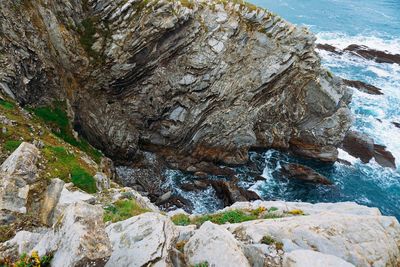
[(359, 145), (364, 87), (364, 52), (216, 246), (141, 241), (362, 240), (17, 174), (307, 258), (304, 173), (372, 54), (167, 80), (384, 157), (78, 238), (22, 242), (50, 200), (102, 181), (229, 192), (107, 167), (397, 124)]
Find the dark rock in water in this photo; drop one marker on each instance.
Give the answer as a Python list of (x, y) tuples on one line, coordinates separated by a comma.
[(364, 87), (372, 54), (359, 145), (188, 187), (304, 173), (383, 157), (164, 198), (329, 48), (304, 149), (201, 174), (200, 185), (397, 124), (229, 192)]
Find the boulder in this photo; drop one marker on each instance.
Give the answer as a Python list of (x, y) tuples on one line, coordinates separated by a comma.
[(216, 246), (359, 145), (363, 240), (229, 192), (102, 181), (383, 157), (107, 167), (78, 238), (304, 173), (17, 174), (308, 258), (50, 200), (141, 241)]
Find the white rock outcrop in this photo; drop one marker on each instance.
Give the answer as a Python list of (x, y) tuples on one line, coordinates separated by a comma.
[(17, 173), (309, 258), (143, 240), (216, 246)]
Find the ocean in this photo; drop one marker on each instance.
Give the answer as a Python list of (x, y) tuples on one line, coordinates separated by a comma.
[(340, 23)]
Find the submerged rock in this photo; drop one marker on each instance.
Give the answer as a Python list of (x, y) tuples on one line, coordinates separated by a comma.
[(363, 87), (304, 173)]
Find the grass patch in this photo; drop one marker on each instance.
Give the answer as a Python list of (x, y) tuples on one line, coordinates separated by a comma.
[(180, 219), (122, 210), (231, 216), (269, 240), (203, 264), (6, 105), (12, 145), (66, 166), (58, 120)]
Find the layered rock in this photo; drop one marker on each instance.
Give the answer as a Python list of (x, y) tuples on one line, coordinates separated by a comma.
[(200, 79)]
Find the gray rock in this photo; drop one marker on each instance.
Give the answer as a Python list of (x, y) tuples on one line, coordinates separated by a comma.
[(102, 181), (50, 200), (17, 173), (308, 258), (141, 241), (213, 244)]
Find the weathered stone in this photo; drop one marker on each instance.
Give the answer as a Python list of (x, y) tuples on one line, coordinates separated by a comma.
[(383, 157), (102, 181), (304, 173), (141, 241), (307, 258), (78, 238), (50, 200), (359, 145), (216, 246), (362, 240), (17, 173), (363, 87)]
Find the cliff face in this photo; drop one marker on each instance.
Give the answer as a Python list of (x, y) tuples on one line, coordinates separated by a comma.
[(204, 80)]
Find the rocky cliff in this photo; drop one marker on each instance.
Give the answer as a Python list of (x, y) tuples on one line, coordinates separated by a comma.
[(190, 80)]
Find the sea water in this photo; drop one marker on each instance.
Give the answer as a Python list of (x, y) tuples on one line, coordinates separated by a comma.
[(340, 23)]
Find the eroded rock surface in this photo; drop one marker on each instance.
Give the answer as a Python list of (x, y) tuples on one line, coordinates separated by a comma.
[(205, 80)]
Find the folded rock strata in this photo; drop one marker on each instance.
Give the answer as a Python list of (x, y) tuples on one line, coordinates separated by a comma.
[(204, 79)]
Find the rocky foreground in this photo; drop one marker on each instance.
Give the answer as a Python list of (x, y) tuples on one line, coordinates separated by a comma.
[(79, 229)]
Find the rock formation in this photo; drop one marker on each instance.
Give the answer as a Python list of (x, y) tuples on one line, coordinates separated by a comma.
[(207, 80)]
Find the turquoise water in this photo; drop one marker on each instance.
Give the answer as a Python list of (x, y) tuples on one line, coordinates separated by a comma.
[(341, 23)]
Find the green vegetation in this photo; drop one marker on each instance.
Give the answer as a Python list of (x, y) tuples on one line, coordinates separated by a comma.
[(57, 119), (181, 219), (26, 260), (203, 264), (11, 145), (66, 166), (122, 210), (6, 104), (269, 240), (296, 212), (232, 216), (87, 37)]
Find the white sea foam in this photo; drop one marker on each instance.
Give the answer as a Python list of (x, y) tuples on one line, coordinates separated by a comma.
[(347, 157), (341, 40)]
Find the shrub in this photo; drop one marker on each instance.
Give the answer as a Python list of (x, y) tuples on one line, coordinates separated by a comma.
[(296, 212), (202, 264), (122, 210), (267, 240), (28, 261), (6, 104)]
